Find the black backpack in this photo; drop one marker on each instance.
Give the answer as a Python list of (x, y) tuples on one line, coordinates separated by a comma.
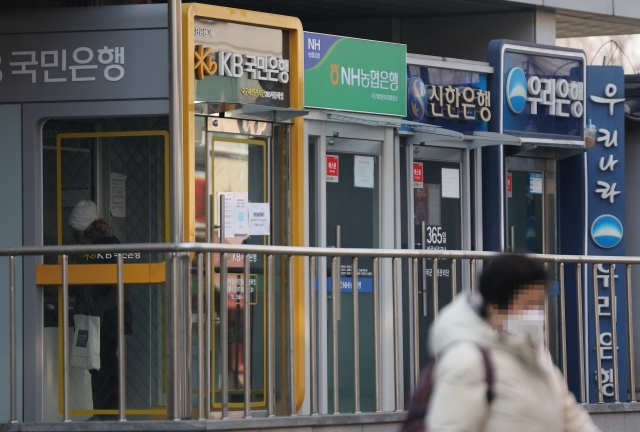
[(419, 402)]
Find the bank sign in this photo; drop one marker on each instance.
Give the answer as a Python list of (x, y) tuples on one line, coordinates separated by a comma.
[(538, 92), (354, 74), (456, 100), (100, 65), (240, 63), (605, 221)]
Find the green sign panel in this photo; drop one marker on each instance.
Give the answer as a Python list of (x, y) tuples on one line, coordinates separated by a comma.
[(354, 75)]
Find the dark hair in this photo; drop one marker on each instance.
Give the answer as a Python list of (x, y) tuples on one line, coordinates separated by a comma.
[(507, 274)]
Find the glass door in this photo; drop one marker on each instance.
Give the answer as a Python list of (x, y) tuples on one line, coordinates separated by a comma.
[(526, 187), (353, 209), (235, 168), (436, 195)]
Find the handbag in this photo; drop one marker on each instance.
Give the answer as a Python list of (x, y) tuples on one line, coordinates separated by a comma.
[(85, 350)]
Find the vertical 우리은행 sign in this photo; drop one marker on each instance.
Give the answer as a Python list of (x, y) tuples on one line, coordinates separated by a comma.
[(605, 221), (354, 74)]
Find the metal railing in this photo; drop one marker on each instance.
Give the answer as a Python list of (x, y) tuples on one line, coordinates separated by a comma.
[(203, 253)]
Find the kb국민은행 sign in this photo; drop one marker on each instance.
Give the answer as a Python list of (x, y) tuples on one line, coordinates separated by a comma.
[(354, 74), (240, 63)]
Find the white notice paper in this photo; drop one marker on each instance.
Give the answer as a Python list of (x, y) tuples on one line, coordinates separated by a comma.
[(240, 214), (259, 219), (450, 183), (228, 213), (363, 169), (118, 194)]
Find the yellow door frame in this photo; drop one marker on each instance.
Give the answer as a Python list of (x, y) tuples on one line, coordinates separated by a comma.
[(296, 85), (102, 273)]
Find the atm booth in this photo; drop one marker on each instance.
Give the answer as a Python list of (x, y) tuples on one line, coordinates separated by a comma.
[(441, 181), (243, 136), (386, 152), (86, 120), (535, 196)]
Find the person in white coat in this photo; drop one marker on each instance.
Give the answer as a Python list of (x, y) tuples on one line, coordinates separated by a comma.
[(507, 319)]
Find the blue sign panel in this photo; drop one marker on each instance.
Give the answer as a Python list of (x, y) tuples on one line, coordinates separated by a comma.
[(365, 284), (605, 221), (537, 92), (453, 99)]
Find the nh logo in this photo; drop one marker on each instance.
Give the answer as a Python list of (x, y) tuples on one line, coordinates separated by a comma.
[(313, 44)]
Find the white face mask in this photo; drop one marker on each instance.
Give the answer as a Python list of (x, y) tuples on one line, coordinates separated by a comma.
[(530, 321)]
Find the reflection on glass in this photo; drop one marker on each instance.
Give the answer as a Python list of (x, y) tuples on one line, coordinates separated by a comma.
[(353, 202), (524, 216), (238, 170)]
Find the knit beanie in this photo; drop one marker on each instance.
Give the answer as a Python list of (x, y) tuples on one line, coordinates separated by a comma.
[(83, 214)]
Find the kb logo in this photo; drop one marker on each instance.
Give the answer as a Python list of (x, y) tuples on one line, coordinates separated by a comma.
[(204, 64)]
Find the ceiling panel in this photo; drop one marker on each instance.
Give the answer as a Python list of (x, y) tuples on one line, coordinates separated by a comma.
[(579, 26), (348, 9)]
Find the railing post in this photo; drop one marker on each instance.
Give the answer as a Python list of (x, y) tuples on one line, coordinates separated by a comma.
[(563, 323), (247, 335), (424, 269), (416, 327), (474, 276), (583, 386), (13, 331), (201, 348), (396, 331), (65, 338), (376, 332), (313, 323), (224, 335), (597, 335), (122, 382), (630, 342), (291, 375), (335, 288), (271, 337), (356, 337), (546, 313), (614, 332), (435, 289)]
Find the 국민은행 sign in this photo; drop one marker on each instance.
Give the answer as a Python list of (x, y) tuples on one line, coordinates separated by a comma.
[(354, 74), (240, 63), (538, 91)]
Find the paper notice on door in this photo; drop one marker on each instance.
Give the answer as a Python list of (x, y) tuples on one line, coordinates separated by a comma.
[(363, 169), (535, 183), (434, 206), (259, 219), (118, 194), (450, 183), (240, 214), (228, 213)]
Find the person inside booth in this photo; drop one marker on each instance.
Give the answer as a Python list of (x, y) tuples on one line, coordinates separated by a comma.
[(100, 301)]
